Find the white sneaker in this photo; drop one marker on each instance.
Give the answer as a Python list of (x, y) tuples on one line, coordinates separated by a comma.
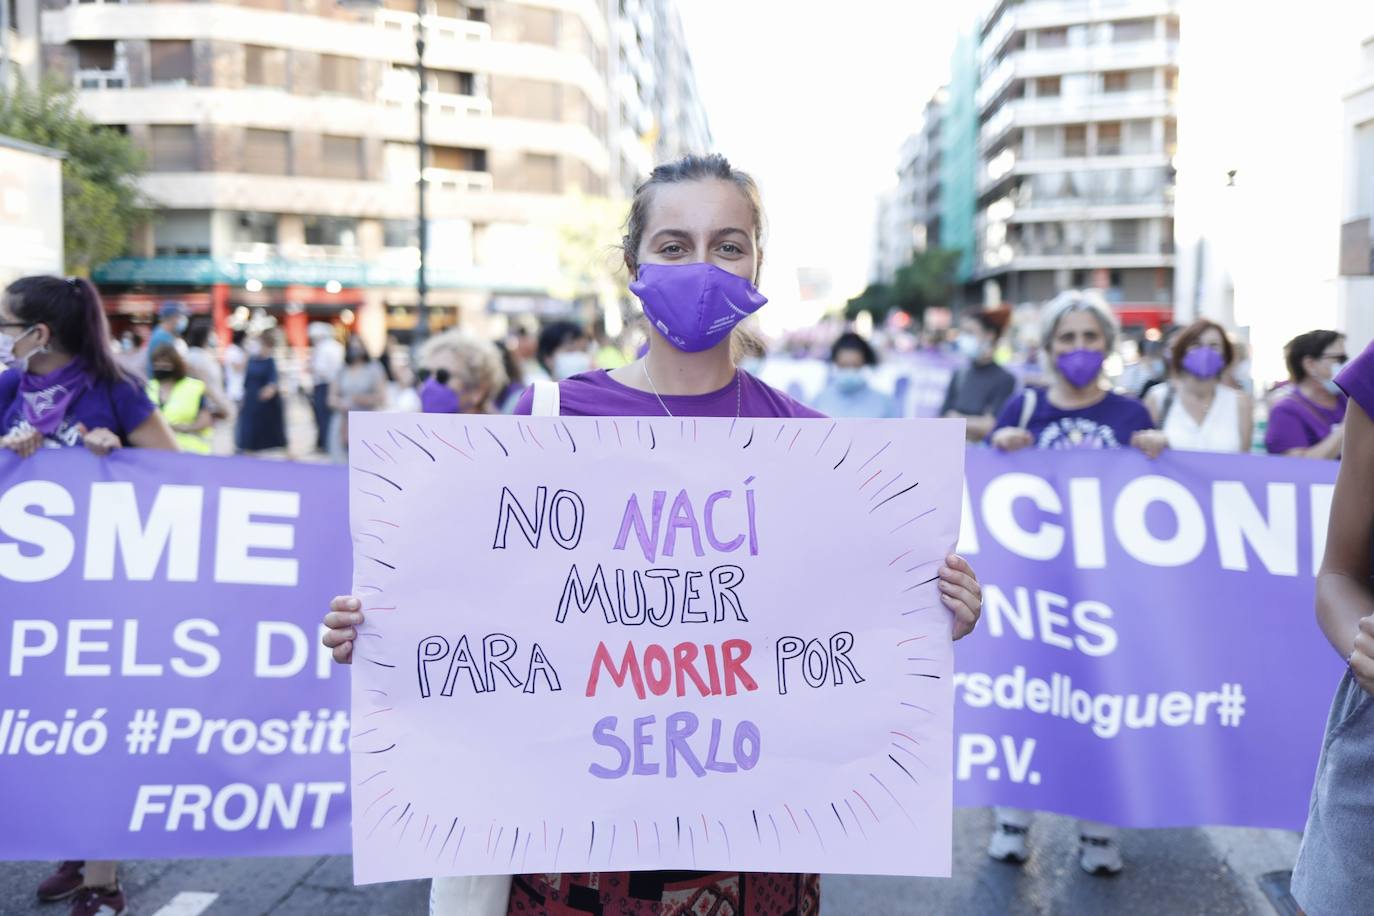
[(1008, 844), (1099, 856)]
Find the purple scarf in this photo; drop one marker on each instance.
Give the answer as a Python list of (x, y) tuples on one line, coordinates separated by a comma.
[(47, 397)]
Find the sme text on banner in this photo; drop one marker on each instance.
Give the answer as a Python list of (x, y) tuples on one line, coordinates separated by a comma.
[(619, 644), (163, 690), (1148, 654)]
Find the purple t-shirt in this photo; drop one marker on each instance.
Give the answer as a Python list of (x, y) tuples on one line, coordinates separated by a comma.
[(121, 407), (1357, 380), (596, 394), (1298, 422), (1107, 424)]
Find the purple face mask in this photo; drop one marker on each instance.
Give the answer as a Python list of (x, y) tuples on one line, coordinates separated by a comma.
[(1204, 362), (1080, 367), (694, 306)]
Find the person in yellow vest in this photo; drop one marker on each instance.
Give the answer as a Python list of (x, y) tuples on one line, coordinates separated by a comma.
[(181, 399)]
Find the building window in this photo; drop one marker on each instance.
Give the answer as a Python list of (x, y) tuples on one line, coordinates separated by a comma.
[(173, 147), (513, 97), (457, 158), (333, 231), (95, 55), (264, 66), (341, 157), (454, 82), (401, 233), (256, 229), (1052, 38), (539, 174), (1076, 140), (1109, 138), (1047, 87), (340, 75), (266, 152), (171, 62), (538, 26), (1132, 30)]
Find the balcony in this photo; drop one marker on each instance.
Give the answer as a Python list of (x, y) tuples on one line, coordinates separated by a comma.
[(438, 29), (440, 104), (456, 181), (101, 79), (1101, 106), (1035, 62)]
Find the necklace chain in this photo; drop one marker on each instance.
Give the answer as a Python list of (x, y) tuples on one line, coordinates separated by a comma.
[(739, 397)]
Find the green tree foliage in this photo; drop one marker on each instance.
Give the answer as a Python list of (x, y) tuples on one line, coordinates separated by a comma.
[(101, 203), (876, 299), (928, 280)]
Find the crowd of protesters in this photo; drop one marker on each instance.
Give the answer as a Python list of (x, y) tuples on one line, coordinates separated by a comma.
[(70, 385)]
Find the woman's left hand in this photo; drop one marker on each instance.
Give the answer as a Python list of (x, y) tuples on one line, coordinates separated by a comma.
[(962, 594), (1361, 660), (1152, 442), (100, 441)]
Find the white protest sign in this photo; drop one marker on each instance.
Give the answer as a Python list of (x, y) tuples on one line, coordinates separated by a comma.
[(622, 644)]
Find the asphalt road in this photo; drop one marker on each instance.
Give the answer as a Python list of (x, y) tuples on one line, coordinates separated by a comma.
[(1167, 871)]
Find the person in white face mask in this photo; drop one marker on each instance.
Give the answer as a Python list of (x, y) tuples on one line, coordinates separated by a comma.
[(563, 350), (978, 391), (1310, 421), (849, 392)]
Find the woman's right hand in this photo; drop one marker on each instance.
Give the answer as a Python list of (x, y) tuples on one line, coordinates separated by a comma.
[(23, 442), (1011, 439), (1361, 660), (345, 613)]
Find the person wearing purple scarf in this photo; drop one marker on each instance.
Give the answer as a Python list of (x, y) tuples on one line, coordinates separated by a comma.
[(62, 388), (693, 251)]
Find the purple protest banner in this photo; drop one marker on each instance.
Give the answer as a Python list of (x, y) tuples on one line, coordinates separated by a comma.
[(1148, 655), (218, 570), (163, 692)]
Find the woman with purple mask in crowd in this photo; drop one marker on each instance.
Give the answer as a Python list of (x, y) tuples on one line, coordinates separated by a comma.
[(1077, 331), (693, 247), (61, 388), (1196, 411)]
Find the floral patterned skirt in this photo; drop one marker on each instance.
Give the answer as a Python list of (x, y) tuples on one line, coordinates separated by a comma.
[(666, 893)]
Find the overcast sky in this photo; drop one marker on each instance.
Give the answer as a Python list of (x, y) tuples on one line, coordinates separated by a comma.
[(815, 99)]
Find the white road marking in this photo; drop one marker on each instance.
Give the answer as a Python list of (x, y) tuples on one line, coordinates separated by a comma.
[(188, 903)]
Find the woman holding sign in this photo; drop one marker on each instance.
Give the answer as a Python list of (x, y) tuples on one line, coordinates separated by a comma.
[(62, 388), (1337, 853), (693, 245)]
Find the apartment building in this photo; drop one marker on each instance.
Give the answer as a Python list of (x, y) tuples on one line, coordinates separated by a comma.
[(656, 114), (19, 56), (1077, 129), (282, 149)]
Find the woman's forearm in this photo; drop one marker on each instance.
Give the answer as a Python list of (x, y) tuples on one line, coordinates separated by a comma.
[(1341, 603)]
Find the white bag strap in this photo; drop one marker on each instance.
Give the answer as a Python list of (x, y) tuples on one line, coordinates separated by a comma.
[(1027, 407), (547, 402)]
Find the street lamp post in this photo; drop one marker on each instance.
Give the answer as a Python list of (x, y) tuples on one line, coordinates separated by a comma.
[(421, 331), (421, 186)]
